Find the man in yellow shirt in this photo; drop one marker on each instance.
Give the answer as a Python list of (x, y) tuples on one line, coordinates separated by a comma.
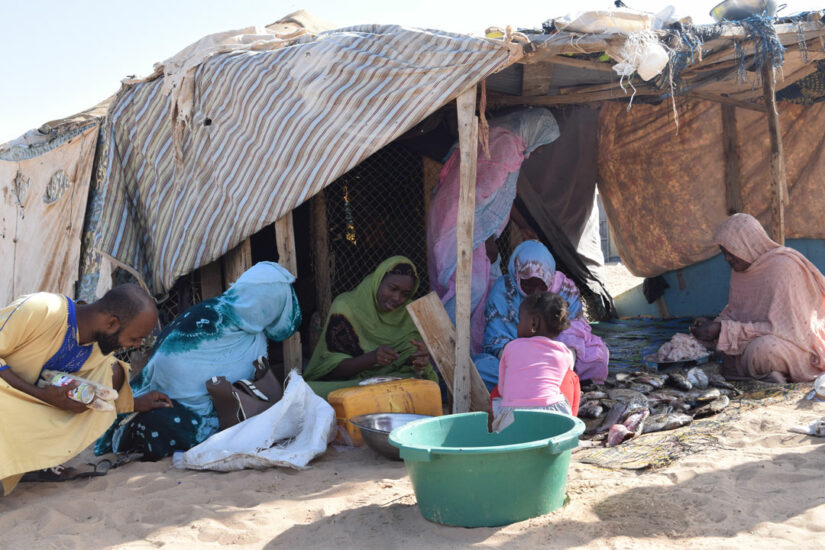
[(43, 427)]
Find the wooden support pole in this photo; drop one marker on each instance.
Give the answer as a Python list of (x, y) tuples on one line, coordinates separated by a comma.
[(285, 239), (236, 261), (730, 147), (468, 144), (320, 254), (211, 280), (437, 330), (779, 185)]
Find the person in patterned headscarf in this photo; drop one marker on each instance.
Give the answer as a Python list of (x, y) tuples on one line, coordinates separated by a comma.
[(532, 269), (774, 324)]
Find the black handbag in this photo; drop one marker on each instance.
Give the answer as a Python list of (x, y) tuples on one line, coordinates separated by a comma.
[(235, 402)]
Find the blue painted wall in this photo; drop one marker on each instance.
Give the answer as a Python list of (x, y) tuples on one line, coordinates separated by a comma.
[(702, 289)]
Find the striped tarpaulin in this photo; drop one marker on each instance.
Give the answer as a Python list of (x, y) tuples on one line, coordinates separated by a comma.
[(268, 130)]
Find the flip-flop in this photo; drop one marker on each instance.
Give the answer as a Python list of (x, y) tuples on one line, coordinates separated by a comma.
[(51, 475)]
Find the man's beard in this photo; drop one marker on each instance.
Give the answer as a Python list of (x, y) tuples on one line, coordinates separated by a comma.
[(108, 343)]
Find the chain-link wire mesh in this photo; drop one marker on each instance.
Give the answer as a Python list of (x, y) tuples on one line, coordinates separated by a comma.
[(374, 211)]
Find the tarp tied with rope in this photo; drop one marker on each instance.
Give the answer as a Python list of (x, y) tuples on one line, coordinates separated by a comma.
[(249, 134)]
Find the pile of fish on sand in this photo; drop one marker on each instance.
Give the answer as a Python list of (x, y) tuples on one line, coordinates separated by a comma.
[(629, 404)]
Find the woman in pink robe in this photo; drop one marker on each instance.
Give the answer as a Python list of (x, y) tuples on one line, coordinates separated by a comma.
[(774, 324)]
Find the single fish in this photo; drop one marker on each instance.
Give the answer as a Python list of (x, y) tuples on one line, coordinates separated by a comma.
[(714, 407), (698, 378), (662, 397), (617, 434), (680, 406), (678, 381), (718, 381), (663, 422), (623, 377), (614, 416), (661, 409), (636, 421), (656, 382), (626, 395), (709, 395), (641, 388), (593, 395), (591, 409)]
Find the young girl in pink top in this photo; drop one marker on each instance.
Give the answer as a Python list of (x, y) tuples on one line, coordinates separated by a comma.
[(533, 365)]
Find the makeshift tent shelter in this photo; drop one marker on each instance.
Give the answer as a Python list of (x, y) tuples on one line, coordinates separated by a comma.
[(235, 132)]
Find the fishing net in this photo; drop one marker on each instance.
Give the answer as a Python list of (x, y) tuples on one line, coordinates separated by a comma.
[(659, 449), (808, 90)]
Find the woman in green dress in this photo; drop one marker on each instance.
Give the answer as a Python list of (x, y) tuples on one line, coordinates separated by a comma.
[(369, 332)]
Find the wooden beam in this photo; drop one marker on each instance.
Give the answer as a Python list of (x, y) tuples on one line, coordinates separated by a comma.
[(285, 240), (211, 280), (468, 144), (779, 186), (730, 147), (236, 261), (589, 64), (320, 254), (728, 101), (535, 79), (438, 333)]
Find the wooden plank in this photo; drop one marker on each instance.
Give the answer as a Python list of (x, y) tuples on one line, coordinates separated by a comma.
[(779, 185), (728, 101), (320, 254), (285, 240), (211, 280), (236, 261), (438, 333), (589, 64), (468, 144), (730, 147), (535, 79)]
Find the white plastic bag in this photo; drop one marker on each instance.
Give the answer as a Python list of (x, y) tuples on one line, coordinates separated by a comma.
[(290, 433), (641, 53), (606, 21)]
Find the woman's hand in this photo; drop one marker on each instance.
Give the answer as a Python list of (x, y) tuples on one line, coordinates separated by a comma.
[(152, 400), (58, 396), (420, 357), (705, 328), (385, 355)]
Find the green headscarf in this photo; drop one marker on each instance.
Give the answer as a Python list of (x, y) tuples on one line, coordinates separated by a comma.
[(373, 328)]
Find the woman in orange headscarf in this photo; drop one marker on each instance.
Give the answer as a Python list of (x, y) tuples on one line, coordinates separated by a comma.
[(774, 324)]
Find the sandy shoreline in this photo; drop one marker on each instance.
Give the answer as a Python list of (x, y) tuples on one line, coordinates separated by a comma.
[(762, 487)]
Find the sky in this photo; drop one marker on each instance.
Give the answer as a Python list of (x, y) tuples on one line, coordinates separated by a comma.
[(64, 56)]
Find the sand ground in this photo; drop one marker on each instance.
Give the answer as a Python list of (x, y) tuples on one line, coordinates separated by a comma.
[(761, 487)]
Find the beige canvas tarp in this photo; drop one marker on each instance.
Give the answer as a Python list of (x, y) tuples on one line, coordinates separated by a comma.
[(42, 205), (664, 191)]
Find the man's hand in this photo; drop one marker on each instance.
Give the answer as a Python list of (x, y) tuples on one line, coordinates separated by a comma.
[(385, 355), (57, 396), (152, 400)]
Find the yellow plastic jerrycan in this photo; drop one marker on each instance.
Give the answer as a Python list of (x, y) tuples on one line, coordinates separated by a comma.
[(409, 395)]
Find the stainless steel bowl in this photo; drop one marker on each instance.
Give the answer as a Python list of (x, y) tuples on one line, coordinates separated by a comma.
[(734, 10), (376, 427)]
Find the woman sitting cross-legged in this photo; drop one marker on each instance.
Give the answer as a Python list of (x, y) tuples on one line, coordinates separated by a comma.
[(369, 333), (220, 336)]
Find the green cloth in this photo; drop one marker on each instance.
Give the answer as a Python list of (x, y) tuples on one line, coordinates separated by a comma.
[(372, 328)]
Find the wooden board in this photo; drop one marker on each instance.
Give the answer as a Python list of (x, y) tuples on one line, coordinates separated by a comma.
[(236, 261), (320, 254), (211, 280), (730, 146), (438, 333), (468, 145), (285, 239), (779, 186)]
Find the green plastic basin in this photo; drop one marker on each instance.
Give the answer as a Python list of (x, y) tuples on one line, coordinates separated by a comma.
[(465, 476)]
